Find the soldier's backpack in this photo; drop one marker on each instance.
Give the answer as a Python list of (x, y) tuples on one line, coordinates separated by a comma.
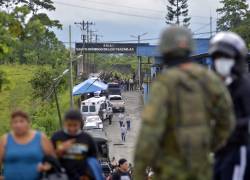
[(192, 128)]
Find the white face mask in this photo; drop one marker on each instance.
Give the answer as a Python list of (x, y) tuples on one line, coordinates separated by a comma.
[(224, 66)]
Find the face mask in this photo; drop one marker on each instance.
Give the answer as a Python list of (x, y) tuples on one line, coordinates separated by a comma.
[(224, 66)]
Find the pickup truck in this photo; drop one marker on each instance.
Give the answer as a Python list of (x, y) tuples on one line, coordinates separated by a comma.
[(117, 102)]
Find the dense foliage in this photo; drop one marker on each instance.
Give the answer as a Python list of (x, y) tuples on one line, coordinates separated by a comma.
[(26, 36), (31, 56), (235, 16)]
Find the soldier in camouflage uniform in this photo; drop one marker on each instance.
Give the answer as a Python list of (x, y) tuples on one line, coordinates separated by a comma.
[(188, 117)]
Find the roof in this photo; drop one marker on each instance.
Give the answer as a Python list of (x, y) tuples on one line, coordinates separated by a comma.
[(89, 86), (95, 99), (110, 96), (98, 134), (153, 50)]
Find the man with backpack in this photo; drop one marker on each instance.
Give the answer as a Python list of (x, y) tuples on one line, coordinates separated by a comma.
[(188, 117), (76, 149)]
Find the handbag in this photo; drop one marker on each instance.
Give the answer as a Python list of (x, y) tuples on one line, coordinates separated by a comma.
[(55, 176), (56, 173)]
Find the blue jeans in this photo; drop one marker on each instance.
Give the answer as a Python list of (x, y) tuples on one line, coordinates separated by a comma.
[(123, 137)]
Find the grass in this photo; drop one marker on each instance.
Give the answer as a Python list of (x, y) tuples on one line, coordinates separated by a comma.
[(17, 94)]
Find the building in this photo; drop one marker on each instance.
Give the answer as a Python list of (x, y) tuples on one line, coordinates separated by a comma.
[(150, 62)]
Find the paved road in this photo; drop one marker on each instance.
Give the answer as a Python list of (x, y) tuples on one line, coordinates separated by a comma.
[(118, 149)]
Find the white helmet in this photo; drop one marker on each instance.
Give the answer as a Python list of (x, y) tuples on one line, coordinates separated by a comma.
[(230, 44)]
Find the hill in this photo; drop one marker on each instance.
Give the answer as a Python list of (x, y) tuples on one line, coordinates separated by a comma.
[(17, 94)]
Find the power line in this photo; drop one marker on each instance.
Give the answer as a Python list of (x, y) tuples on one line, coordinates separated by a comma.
[(131, 7), (108, 11), (117, 12), (197, 30), (125, 6), (149, 39), (203, 33)]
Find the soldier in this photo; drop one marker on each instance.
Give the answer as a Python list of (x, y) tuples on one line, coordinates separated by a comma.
[(189, 116)]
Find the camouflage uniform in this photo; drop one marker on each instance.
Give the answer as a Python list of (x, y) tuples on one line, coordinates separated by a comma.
[(189, 115)]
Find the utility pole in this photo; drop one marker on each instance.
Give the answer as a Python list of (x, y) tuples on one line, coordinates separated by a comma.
[(139, 57), (88, 24), (58, 107), (217, 18), (211, 25), (83, 37), (71, 69), (87, 38)]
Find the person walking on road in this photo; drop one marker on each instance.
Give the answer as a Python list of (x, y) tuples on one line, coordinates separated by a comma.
[(121, 119), (23, 150), (229, 52), (123, 133), (123, 171), (74, 147), (128, 121), (189, 115), (131, 84)]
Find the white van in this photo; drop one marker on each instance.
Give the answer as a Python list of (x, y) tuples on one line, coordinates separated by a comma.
[(97, 106)]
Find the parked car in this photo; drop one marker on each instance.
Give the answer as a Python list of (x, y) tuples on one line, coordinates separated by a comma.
[(92, 125), (117, 102)]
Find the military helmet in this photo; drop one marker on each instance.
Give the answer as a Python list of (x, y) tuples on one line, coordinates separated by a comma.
[(176, 40), (230, 44)]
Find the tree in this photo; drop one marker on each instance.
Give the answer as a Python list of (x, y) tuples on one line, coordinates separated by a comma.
[(8, 34), (178, 13), (26, 37), (34, 5), (232, 14), (42, 82), (244, 30)]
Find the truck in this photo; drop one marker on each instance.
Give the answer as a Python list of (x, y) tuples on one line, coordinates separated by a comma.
[(114, 89), (97, 105), (117, 102)]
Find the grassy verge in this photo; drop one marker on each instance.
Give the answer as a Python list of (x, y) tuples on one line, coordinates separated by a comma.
[(17, 94)]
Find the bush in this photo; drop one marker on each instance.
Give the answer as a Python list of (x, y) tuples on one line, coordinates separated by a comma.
[(45, 119), (42, 82)]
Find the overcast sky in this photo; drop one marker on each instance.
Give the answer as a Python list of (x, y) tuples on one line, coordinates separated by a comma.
[(130, 17)]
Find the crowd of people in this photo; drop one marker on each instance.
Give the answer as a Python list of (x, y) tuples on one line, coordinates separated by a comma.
[(27, 154), (127, 84)]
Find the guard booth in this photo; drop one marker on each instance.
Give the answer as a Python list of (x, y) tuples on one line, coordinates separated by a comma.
[(150, 62)]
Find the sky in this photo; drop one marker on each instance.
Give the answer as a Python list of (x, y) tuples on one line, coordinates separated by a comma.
[(117, 20)]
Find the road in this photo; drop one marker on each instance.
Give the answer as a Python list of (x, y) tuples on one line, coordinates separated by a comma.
[(118, 149)]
